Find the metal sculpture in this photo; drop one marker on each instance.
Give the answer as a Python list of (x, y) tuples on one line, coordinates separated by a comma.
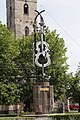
[(41, 48)]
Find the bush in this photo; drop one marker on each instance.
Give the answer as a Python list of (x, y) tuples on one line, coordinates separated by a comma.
[(8, 115), (27, 113), (67, 116), (17, 118)]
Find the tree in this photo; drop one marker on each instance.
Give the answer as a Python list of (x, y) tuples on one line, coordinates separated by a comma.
[(59, 67), (26, 72), (16, 67), (17, 71), (9, 91), (74, 87)]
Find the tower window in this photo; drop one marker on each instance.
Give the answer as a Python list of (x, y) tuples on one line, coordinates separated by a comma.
[(26, 31), (10, 16), (10, 11), (26, 9)]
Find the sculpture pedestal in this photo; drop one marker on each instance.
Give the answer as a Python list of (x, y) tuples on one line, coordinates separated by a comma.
[(43, 98)]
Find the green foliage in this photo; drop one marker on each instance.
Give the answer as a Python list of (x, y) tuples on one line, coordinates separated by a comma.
[(25, 68), (70, 116), (9, 91), (74, 85), (58, 68), (16, 67), (17, 118)]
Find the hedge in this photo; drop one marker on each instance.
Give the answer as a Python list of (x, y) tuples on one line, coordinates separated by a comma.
[(16, 118), (65, 116)]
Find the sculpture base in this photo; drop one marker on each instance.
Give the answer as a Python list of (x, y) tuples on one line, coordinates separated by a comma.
[(43, 98)]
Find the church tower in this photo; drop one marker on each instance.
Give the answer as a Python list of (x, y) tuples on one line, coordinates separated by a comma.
[(20, 16)]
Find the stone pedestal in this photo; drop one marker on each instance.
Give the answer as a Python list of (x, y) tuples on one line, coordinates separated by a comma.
[(43, 98)]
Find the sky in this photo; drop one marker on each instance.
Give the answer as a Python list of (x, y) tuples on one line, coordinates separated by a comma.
[(62, 15)]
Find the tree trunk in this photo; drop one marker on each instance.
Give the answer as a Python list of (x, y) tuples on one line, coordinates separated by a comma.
[(79, 105)]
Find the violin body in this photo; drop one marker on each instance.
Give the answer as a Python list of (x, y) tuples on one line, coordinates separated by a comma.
[(42, 57)]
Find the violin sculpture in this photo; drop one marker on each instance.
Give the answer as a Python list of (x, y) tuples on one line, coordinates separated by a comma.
[(42, 57)]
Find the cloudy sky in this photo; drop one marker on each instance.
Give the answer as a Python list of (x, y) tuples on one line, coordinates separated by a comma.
[(62, 15)]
